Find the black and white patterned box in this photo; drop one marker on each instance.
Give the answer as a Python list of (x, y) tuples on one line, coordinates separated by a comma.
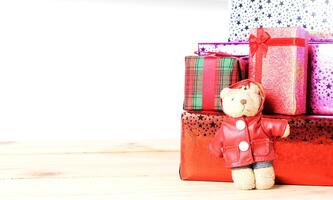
[(314, 15)]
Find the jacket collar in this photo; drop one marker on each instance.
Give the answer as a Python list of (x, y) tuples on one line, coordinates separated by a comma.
[(248, 120)]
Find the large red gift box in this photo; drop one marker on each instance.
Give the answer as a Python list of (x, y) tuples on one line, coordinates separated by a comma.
[(305, 157)]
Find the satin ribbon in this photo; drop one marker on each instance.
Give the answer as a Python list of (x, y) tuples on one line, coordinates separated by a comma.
[(208, 83), (259, 47)]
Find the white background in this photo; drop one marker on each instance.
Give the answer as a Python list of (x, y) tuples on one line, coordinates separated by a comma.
[(92, 69)]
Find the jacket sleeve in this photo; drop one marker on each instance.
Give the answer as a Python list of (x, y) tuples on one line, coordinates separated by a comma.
[(215, 146), (274, 127)]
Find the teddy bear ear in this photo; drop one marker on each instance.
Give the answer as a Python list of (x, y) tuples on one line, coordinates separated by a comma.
[(254, 87), (224, 92)]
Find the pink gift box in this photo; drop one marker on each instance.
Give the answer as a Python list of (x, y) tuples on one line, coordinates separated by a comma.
[(321, 78), (278, 59)]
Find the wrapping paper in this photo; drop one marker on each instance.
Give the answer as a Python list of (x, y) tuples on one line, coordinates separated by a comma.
[(241, 48), (304, 158), (234, 48), (313, 15), (321, 78), (206, 76), (279, 61)]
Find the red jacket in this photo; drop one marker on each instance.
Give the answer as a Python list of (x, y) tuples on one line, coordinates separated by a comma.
[(241, 145)]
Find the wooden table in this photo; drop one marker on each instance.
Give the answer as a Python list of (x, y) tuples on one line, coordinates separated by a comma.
[(116, 170)]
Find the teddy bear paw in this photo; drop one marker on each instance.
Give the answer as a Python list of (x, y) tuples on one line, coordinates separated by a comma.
[(243, 178), (264, 178)]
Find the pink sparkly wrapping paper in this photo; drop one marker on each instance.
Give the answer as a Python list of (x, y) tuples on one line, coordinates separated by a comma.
[(284, 73), (321, 79)]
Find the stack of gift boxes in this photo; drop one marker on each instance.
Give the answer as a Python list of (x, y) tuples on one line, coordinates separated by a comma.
[(287, 46)]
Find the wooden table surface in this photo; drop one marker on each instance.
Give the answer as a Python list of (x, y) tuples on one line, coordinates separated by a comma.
[(116, 170)]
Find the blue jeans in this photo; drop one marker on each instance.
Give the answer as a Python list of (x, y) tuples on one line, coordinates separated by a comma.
[(258, 165)]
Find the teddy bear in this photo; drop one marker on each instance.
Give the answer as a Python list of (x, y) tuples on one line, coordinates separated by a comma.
[(245, 139)]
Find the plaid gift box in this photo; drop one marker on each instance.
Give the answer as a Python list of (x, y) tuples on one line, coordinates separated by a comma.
[(206, 76)]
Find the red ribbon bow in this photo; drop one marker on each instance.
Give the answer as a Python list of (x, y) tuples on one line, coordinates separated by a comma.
[(259, 43)]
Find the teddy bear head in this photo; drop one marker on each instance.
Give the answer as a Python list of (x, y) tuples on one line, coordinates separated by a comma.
[(244, 98)]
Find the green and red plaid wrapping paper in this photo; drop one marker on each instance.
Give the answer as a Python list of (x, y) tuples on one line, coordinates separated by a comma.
[(206, 76)]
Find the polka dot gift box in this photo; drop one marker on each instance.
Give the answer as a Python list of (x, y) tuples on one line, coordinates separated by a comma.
[(233, 48), (316, 16)]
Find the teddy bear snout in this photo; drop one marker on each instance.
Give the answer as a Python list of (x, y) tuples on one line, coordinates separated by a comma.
[(243, 101)]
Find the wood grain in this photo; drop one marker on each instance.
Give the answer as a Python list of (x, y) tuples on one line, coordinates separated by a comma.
[(116, 170)]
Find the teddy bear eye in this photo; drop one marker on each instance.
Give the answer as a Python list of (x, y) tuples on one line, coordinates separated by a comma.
[(232, 99)]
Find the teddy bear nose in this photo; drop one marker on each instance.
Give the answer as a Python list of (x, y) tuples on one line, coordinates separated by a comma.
[(243, 101)]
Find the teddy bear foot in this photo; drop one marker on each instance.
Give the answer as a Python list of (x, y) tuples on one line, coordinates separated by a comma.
[(243, 178), (264, 178)]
